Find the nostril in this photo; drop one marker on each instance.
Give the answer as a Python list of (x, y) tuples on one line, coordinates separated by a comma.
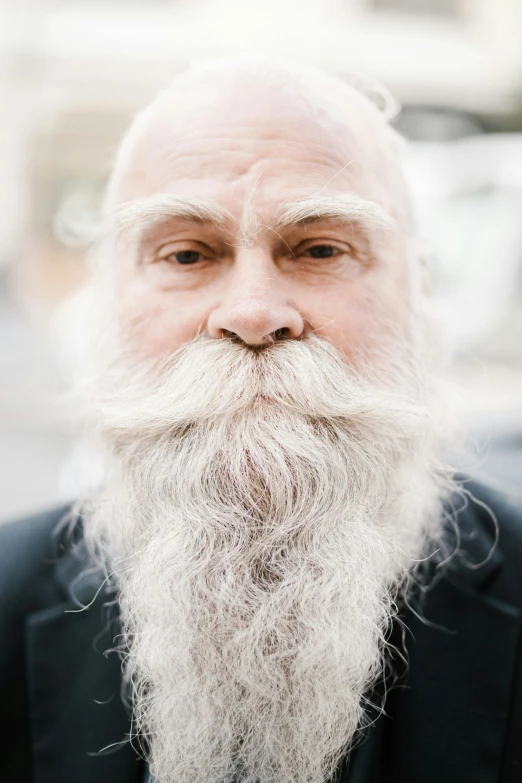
[(226, 334), (277, 335), (281, 334)]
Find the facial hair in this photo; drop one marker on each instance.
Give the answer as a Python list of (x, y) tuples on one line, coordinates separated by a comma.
[(262, 511)]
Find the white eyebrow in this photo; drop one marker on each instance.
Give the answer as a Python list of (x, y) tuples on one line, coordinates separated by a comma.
[(133, 217), (349, 208)]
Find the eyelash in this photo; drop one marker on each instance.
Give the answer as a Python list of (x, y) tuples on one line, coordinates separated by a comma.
[(336, 252)]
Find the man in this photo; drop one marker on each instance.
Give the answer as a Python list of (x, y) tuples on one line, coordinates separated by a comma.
[(280, 579)]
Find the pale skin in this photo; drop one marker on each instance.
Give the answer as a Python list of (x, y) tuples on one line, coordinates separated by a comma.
[(230, 241)]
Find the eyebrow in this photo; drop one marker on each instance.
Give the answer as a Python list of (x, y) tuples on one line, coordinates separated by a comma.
[(349, 208), (132, 218)]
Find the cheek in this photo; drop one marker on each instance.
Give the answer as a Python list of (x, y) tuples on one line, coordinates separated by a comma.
[(360, 319), (156, 323)]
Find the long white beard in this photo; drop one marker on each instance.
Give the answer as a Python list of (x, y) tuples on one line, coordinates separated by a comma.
[(263, 510)]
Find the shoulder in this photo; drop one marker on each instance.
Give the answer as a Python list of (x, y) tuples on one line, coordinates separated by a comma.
[(29, 550)]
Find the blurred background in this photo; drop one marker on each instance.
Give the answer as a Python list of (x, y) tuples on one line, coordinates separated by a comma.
[(73, 73)]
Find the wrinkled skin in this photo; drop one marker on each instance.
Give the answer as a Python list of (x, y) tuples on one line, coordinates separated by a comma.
[(249, 148)]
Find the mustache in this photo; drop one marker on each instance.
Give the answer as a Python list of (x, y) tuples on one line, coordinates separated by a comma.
[(210, 379)]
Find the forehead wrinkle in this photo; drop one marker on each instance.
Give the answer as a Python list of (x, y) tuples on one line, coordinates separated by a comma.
[(225, 163), (215, 155)]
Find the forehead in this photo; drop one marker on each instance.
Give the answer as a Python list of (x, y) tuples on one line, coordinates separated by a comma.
[(257, 145)]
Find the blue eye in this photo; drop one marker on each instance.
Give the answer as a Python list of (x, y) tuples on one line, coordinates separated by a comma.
[(185, 257), (321, 251)]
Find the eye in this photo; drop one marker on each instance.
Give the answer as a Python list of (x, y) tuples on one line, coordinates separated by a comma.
[(321, 251), (184, 257)]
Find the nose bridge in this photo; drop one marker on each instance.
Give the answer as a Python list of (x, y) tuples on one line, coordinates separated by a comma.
[(254, 278), (255, 307)]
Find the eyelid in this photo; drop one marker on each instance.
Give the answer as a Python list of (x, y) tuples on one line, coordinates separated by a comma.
[(308, 244), (180, 245)]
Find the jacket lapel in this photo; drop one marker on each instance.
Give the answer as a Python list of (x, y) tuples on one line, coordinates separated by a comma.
[(448, 720), (79, 726)]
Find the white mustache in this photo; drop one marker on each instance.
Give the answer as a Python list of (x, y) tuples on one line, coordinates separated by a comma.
[(209, 379)]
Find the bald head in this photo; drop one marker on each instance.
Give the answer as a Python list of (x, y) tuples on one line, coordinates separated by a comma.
[(230, 102)]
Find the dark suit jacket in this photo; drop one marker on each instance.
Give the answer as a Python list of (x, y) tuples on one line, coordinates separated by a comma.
[(457, 717)]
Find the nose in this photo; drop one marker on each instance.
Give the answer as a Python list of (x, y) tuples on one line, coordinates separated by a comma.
[(256, 312)]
